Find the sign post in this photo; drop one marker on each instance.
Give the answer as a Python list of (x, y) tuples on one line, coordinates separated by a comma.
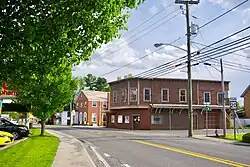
[(233, 107), (206, 108)]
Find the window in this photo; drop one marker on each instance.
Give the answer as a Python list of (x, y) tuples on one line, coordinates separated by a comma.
[(120, 119), (126, 119), (133, 94), (164, 95), (105, 104), (77, 105), (124, 95), (85, 104), (115, 96), (156, 119), (147, 94), (81, 104), (112, 119), (94, 104), (220, 98), (182, 95), (93, 117), (207, 97)]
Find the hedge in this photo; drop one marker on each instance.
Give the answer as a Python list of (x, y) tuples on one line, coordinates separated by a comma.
[(246, 138)]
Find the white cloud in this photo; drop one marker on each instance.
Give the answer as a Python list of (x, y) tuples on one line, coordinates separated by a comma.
[(231, 3), (153, 10)]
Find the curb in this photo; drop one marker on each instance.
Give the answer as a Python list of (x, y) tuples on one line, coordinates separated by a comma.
[(10, 145), (222, 141), (56, 133)]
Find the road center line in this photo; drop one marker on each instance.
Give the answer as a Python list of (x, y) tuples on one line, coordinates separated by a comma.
[(194, 154)]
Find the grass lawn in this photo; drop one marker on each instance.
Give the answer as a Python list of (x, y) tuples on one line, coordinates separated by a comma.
[(35, 151), (238, 137)]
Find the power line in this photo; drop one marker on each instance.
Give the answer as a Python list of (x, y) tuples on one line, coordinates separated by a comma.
[(147, 20), (150, 18), (179, 59), (147, 33), (200, 58), (230, 10), (125, 65), (213, 47)]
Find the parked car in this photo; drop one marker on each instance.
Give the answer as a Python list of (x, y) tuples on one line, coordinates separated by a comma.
[(18, 131), (6, 138)]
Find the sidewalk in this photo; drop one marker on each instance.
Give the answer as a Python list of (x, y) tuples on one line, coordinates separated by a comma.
[(71, 152), (213, 139)]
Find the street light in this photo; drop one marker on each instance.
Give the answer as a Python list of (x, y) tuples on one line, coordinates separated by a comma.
[(169, 44)]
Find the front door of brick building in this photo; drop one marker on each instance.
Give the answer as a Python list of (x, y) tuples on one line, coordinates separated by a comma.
[(136, 122)]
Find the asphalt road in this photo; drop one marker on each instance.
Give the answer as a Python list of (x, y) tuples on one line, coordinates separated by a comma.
[(156, 148)]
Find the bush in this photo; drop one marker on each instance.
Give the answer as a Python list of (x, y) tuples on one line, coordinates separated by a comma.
[(246, 138)]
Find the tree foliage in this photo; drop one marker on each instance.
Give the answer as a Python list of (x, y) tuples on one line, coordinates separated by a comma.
[(92, 82), (36, 35), (40, 41), (48, 93)]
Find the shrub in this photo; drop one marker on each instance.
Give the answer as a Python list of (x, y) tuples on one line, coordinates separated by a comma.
[(246, 138)]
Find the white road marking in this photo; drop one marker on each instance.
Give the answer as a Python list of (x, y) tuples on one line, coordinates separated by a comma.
[(126, 165), (100, 157), (107, 155)]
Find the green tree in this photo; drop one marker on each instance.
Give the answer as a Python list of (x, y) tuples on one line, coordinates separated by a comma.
[(101, 83), (90, 81), (48, 93), (38, 35)]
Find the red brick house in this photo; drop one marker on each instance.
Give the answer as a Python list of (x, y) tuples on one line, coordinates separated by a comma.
[(246, 96), (91, 107), (161, 103)]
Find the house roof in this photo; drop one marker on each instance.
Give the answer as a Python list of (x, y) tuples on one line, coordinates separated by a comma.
[(180, 79), (245, 91), (95, 95)]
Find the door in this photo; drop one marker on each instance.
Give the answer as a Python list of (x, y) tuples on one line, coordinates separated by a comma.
[(136, 122)]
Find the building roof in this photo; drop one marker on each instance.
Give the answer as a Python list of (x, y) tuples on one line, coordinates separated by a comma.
[(245, 91), (95, 95), (180, 79)]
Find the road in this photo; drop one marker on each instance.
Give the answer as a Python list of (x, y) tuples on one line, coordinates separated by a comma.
[(124, 148)]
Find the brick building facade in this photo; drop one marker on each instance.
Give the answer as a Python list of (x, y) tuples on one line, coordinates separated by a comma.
[(159, 103), (246, 96), (91, 107)]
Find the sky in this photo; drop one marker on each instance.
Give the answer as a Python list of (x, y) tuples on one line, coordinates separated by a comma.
[(167, 24)]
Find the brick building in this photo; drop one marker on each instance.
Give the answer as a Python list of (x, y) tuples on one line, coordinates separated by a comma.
[(246, 96), (161, 103), (91, 107)]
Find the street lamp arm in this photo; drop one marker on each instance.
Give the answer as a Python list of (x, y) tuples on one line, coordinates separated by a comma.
[(169, 44)]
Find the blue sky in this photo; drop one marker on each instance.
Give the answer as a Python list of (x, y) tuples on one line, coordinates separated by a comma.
[(127, 51)]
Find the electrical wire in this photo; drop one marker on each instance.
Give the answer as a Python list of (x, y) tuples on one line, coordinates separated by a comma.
[(194, 42), (147, 20), (221, 15), (125, 65), (138, 26), (199, 59), (192, 54), (145, 33)]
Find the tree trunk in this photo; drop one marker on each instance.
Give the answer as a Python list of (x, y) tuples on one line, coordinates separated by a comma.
[(42, 128)]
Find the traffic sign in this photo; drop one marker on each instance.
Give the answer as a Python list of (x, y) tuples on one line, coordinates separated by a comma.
[(233, 105), (233, 98), (206, 109)]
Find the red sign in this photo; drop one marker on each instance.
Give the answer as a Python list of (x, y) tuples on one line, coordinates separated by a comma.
[(5, 90)]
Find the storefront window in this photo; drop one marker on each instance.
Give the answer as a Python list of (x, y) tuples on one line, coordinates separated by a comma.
[(156, 119)]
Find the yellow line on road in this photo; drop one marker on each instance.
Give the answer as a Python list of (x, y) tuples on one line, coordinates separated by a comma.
[(194, 154)]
